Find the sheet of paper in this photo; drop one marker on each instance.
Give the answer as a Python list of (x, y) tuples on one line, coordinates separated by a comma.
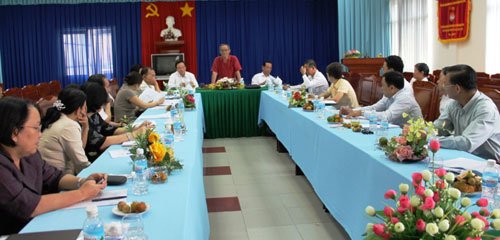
[(103, 194), (119, 153), (158, 116), (129, 143), (330, 102), (150, 95), (466, 164)]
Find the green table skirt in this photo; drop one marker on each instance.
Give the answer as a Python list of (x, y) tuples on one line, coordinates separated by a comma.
[(231, 113)]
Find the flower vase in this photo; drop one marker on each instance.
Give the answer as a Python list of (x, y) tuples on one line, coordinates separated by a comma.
[(159, 174)]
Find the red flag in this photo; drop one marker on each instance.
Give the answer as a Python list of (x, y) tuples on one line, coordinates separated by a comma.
[(453, 20), (153, 16)]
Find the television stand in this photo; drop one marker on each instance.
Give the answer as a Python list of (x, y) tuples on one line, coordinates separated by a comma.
[(169, 46)]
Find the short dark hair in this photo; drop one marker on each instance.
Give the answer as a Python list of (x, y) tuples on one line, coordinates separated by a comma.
[(445, 70), (97, 78), (72, 98), (135, 67), (422, 67), (395, 79), (335, 70), (264, 63), (395, 62), (15, 111), (96, 96), (144, 71), (73, 85), (133, 78), (463, 75), (310, 63), (180, 61)]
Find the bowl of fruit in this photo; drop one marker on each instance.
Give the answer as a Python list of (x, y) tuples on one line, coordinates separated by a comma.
[(308, 107), (468, 182), (124, 208), (335, 119)]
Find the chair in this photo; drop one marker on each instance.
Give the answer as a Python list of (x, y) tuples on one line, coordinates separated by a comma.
[(346, 75), (425, 95), (408, 76), (495, 78), (114, 87), (435, 75), (377, 93), (354, 81), (494, 94), (31, 92), (482, 75), (14, 92), (44, 91), (55, 87), (365, 90), (488, 83)]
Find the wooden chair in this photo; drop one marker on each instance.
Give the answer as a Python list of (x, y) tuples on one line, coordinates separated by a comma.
[(435, 75), (44, 91), (494, 94), (482, 75), (488, 83), (496, 78), (408, 76), (55, 87), (354, 81), (365, 90), (13, 92), (346, 75), (377, 91), (31, 92), (425, 95)]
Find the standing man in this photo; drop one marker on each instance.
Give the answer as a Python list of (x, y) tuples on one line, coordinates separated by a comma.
[(314, 80), (225, 65), (265, 76), (182, 78)]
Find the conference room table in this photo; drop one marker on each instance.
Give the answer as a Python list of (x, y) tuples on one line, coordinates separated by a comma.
[(178, 207), (345, 168), (231, 113)]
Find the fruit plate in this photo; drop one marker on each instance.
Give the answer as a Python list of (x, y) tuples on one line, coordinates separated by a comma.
[(121, 214), (305, 110)]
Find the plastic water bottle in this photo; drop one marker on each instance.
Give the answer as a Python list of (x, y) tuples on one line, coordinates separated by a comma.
[(384, 126), (270, 86), (321, 108), (93, 228), (490, 181), (373, 121), (169, 134), (180, 108), (177, 128), (242, 81), (316, 103), (140, 183)]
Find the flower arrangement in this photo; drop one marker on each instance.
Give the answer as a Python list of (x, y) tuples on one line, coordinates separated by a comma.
[(169, 36), (434, 211), (226, 83), (352, 54), (187, 99), (411, 143), (297, 99), (155, 151)]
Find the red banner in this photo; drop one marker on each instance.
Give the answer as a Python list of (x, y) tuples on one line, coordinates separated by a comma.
[(153, 18), (453, 20)]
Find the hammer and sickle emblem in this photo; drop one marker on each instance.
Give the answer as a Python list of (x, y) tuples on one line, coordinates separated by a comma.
[(153, 10)]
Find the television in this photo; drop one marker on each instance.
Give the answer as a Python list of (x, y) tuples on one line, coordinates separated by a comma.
[(164, 64)]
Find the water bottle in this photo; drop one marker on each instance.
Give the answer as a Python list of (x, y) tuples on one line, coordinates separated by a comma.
[(180, 108), (93, 228), (490, 181), (321, 108), (169, 134), (384, 126), (177, 128), (316, 103), (140, 183), (373, 121), (242, 81), (270, 85), (288, 94)]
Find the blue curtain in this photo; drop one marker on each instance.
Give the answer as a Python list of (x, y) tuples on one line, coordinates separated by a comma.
[(40, 43), (364, 25), (286, 32)]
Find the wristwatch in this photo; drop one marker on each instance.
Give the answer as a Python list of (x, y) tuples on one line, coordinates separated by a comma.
[(79, 183)]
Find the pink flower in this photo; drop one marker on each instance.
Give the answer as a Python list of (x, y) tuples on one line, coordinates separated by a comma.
[(417, 177), (440, 172), (435, 146), (469, 238), (484, 212), (436, 196), (401, 140), (428, 204), (486, 223), (390, 194), (403, 152), (394, 220), (483, 202), (459, 220), (406, 130), (420, 190), (388, 211), (475, 214), (401, 210), (378, 229), (404, 201), (440, 183), (420, 225)]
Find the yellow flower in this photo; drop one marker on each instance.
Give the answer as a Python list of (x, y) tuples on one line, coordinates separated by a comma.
[(170, 153), (158, 151), (153, 137)]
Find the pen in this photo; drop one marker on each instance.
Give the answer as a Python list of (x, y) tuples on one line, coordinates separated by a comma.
[(100, 181), (105, 199)]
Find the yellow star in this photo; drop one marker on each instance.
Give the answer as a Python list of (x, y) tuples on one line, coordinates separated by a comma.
[(186, 10)]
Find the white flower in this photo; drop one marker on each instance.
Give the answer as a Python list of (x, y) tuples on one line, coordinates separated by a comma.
[(444, 225), (369, 227), (403, 188), (477, 224), (466, 216), (426, 174), (431, 228), (496, 224), (454, 193), (399, 227), (446, 184), (465, 202), (415, 201), (370, 211), (438, 212), (428, 213), (450, 177), (450, 237), (495, 213), (428, 193)]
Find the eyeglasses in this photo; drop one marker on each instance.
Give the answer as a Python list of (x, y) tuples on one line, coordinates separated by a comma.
[(38, 128)]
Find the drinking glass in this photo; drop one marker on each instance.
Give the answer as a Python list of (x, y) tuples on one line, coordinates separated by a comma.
[(133, 227)]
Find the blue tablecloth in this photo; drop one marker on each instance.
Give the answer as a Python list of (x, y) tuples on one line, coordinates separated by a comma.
[(178, 207), (344, 168)]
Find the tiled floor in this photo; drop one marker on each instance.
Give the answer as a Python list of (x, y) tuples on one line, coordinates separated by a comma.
[(252, 193)]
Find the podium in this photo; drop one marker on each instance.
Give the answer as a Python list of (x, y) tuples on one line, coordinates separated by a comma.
[(365, 78), (169, 46), (364, 66)]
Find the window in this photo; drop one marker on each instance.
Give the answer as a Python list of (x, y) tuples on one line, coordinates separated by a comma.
[(492, 36), (88, 52)]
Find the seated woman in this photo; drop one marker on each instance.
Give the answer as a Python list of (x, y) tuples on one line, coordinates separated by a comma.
[(340, 90), (101, 134), (28, 185), (106, 110), (127, 102), (63, 139)]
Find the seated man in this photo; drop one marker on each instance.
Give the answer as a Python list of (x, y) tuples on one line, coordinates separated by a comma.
[(396, 102), (265, 76), (225, 65), (420, 73), (148, 80), (314, 80), (473, 117), (341, 90), (182, 78), (394, 63)]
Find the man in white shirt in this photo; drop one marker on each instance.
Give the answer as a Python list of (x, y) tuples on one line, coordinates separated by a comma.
[(148, 80), (314, 80), (396, 102), (420, 73), (182, 78), (394, 63), (265, 76)]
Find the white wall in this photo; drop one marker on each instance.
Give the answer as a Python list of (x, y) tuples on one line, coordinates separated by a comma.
[(470, 51)]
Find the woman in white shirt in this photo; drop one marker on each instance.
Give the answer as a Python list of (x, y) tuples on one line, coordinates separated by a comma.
[(65, 128), (420, 73)]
